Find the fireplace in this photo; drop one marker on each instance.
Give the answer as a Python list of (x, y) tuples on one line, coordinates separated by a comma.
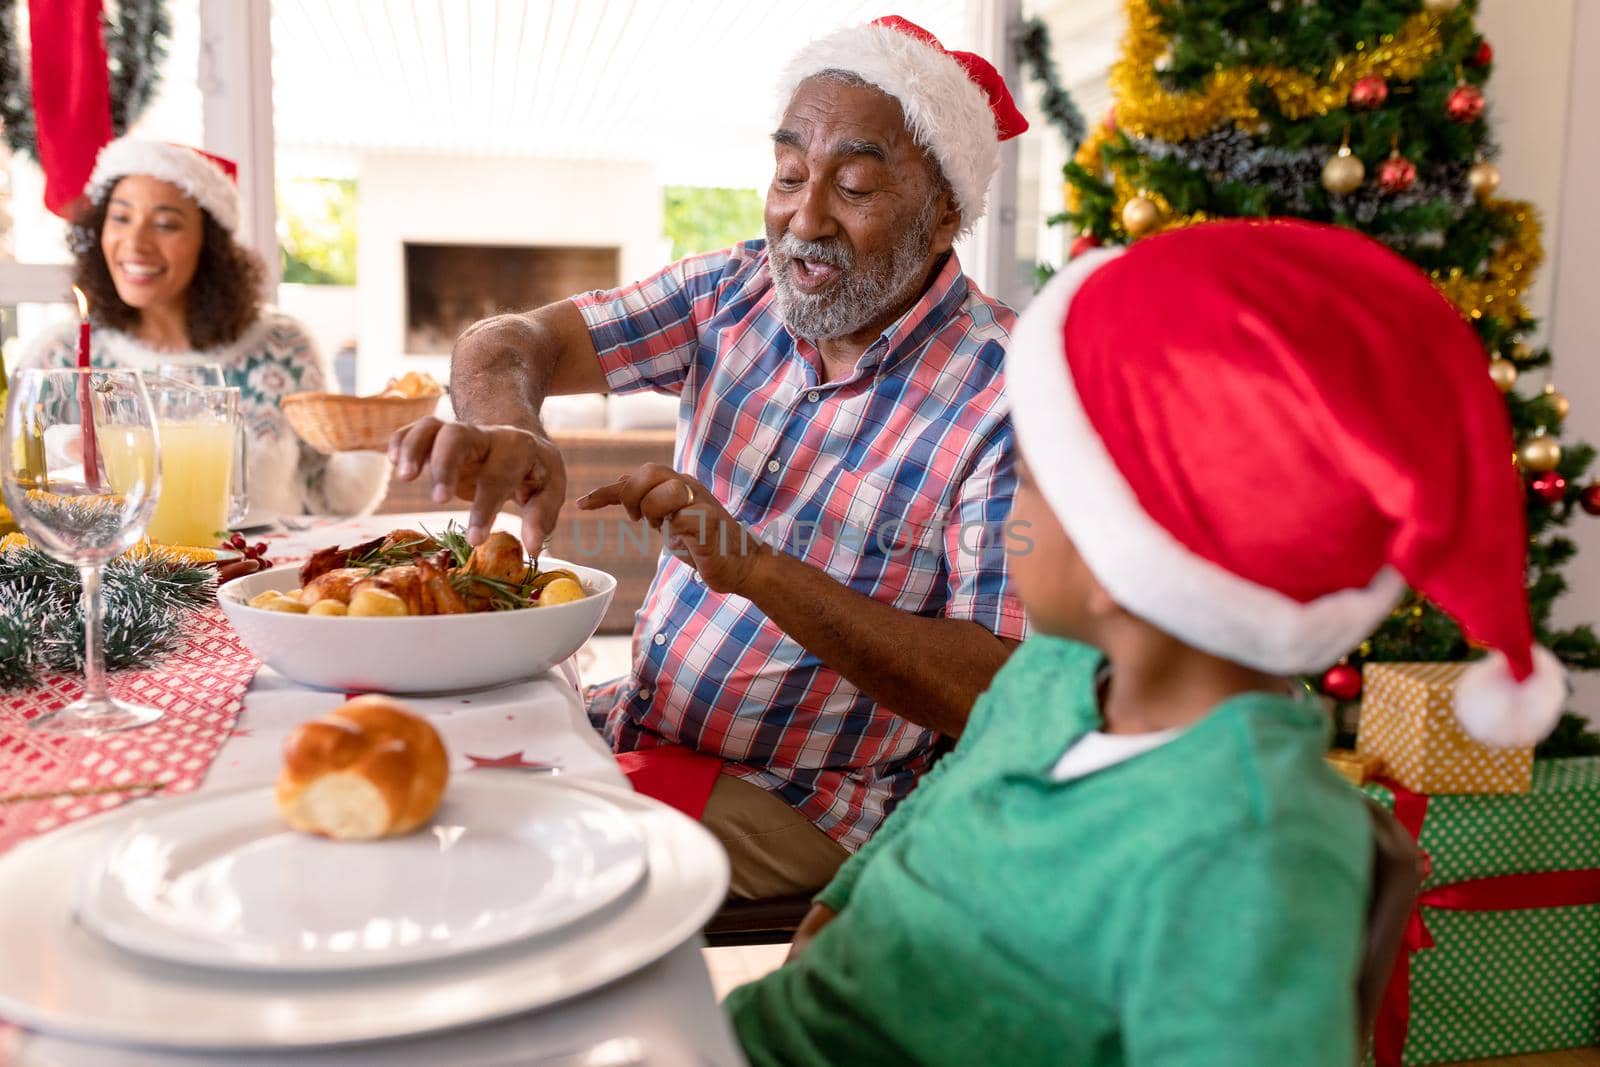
[(450, 286)]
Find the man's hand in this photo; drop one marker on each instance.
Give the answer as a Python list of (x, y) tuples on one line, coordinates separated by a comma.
[(487, 465), (697, 527), (819, 916)]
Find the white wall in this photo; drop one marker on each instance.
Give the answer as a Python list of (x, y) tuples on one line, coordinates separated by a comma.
[(1574, 327), (1546, 107), (461, 200)]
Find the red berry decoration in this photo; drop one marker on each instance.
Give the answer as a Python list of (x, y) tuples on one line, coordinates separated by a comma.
[(1549, 487), (1396, 174), (1589, 499), (1109, 123), (1082, 244), (1484, 54), (1464, 104), (1342, 682), (1368, 93)]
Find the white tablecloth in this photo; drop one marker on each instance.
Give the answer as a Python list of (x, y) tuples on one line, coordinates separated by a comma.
[(667, 1013)]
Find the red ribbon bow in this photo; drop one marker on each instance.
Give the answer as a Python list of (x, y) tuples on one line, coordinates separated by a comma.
[(1506, 892)]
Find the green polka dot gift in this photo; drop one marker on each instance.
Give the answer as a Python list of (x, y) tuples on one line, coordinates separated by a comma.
[(1502, 955)]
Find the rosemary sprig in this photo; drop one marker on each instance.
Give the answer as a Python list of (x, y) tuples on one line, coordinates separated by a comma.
[(503, 595), (454, 539), (379, 557)]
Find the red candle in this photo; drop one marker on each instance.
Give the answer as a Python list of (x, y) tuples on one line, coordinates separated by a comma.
[(91, 451)]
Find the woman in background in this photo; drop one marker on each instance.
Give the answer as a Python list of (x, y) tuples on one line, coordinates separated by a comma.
[(166, 282)]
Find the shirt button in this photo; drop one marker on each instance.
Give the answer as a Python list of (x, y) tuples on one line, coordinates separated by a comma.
[(773, 465), (644, 693), (813, 396), (661, 639)]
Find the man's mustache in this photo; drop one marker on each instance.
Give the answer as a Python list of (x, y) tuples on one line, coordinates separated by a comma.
[(834, 253)]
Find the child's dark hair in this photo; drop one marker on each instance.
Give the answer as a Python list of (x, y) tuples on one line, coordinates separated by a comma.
[(224, 295)]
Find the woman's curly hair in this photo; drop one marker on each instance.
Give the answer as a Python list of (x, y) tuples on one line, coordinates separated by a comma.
[(224, 295)]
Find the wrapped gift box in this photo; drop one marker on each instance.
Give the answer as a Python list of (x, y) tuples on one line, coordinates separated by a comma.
[(1408, 721), (1502, 955)]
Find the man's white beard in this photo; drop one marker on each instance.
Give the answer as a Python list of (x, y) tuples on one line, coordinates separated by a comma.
[(863, 293)]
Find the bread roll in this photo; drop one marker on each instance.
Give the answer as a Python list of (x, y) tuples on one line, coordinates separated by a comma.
[(365, 770)]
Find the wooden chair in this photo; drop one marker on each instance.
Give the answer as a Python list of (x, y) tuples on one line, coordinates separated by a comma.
[(1396, 878), (771, 921)]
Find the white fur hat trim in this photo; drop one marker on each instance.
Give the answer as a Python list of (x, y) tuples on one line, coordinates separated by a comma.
[(190, 171), (945, 110)]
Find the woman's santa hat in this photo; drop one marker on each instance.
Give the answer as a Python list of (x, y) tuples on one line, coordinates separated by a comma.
[(956, 105), (211, 181), (1257, 434)]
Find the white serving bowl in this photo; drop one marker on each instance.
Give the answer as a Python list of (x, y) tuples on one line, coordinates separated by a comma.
[(417, 653)]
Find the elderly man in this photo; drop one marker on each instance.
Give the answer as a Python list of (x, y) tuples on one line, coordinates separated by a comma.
[(836, 596)]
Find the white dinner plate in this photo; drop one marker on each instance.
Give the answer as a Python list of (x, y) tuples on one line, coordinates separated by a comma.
[(255, 520), (60, 978), (218, 880)]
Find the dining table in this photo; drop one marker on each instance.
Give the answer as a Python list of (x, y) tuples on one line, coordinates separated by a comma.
[(664, 1012)]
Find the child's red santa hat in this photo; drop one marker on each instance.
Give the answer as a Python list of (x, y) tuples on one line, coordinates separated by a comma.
[(956, 105), (1257, 434), (211, 181)]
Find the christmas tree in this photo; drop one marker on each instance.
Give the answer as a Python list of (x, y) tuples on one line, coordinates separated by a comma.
[(1362, 113)]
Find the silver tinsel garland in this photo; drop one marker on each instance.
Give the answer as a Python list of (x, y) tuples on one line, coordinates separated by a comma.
[(1295, 177)]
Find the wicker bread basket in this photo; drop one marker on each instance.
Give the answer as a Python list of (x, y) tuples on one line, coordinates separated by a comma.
[(331, 422)]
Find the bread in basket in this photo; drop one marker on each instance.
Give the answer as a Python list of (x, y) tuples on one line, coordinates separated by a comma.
[(332, 422)]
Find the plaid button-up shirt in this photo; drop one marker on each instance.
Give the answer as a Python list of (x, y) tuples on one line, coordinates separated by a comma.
[(896, 480)]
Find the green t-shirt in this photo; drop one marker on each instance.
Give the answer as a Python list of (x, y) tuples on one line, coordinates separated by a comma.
[(1199, 903)]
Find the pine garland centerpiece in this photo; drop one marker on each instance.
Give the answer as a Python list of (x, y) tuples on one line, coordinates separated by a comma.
[(148, 598)]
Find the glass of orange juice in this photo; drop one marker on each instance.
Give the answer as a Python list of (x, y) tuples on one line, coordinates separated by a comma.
[(198, 428)]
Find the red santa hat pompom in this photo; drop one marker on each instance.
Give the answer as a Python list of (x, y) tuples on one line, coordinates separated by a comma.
[(211, 181), (1261, 468), (955, 103)]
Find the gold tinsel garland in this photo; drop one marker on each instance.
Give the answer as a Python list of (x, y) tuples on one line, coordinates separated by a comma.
[(1146, 109), (1498, 289)]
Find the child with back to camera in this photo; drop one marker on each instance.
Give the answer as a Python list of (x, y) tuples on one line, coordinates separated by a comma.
[(1136, 854)]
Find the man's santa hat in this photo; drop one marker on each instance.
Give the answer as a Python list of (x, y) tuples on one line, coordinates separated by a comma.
[(211, 181), (1257, 434), (956, 105)]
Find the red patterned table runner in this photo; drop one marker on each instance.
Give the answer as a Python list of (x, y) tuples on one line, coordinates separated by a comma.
[(200, 687)]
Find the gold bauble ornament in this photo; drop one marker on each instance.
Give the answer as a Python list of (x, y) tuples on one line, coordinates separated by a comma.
[(1503, 373), (1140, 215), (1540, 452), (1343, 173), (1522, 351), (1558, 401), (1440, 7), (1484, 179)]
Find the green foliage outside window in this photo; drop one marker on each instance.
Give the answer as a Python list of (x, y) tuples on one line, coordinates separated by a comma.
[(704, 219), (317, 230)]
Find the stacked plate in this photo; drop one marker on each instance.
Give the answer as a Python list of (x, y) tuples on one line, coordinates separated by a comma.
[(204, 923)]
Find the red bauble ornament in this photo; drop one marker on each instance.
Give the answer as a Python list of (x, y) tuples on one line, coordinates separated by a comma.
[(1549, 487), (1589, 499), (1342, 682), (1368, 93), (1396, 174), (1465, 104), (1483, 56), (1082, 244)]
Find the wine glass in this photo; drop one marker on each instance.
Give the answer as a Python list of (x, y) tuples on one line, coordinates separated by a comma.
[(81, 472), (211, 376)]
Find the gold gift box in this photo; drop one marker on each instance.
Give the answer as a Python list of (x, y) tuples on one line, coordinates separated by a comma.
[(1408, 721), (1355, 767)]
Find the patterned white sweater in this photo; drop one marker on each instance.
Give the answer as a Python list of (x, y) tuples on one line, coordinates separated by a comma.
[(273, 358)]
